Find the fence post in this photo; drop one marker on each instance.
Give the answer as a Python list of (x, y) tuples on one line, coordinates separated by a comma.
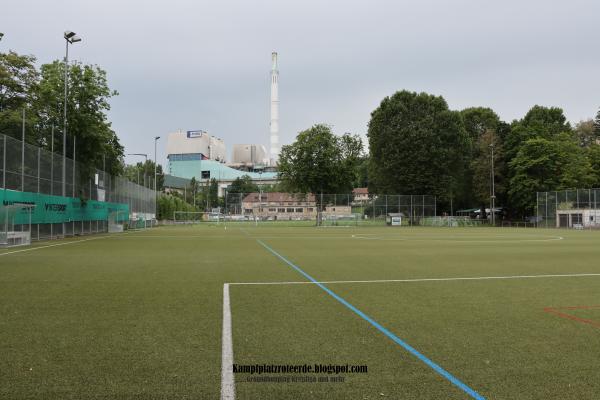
[(411, 211), (74, 162), (38, 171), (23, 154), (386, 205), (4, 164)]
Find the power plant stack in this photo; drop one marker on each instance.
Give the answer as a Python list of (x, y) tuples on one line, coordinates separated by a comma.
[(274, 126)]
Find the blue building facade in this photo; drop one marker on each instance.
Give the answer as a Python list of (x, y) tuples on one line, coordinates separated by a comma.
[(193, 166)]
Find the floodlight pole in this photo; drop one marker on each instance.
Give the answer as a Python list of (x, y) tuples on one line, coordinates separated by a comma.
[(493, 197), (70, 38), (155, 192)]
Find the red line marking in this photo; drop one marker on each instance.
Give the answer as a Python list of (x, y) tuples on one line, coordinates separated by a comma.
[(554, 310), (575, 308)]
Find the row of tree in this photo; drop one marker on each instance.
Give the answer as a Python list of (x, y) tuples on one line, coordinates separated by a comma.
[(39, 93), (418, 145)]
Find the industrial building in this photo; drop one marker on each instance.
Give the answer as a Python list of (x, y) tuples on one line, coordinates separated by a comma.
[(200, 155), (197, 154)]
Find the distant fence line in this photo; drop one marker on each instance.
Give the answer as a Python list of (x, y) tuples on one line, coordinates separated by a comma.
[(31, 169), (574, 208), (293, 206)]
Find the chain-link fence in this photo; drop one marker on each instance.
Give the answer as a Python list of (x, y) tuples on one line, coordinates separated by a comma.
[(34, 173), (334, 209), (576, 208)]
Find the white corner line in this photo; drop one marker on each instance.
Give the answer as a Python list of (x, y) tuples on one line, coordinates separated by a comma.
[(227, 380), (52, 245), (474, 278)]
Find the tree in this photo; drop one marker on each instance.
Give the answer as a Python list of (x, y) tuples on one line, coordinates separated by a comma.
[(597, 125), (212, 194), (547, 164), (481, 125), (169, 203), (585, 133), (243, 184), (18, 83), (481, 167), (143, 174), (87, 105), (539, 122), (479, 121), (593, 154), (320, 162), (362, 172), (416, 146)]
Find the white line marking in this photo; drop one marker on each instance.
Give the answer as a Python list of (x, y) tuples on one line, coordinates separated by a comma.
[(52, 245), (474, 278), (227, 381)]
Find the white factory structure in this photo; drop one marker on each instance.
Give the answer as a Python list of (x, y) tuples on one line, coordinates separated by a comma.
[(195, 145), (274, 126), (247, 154), (200, 155)]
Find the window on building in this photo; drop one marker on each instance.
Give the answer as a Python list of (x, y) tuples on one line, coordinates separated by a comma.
[(309, 209), (205, 174), (298, 210), (281, 210), (248, 211), (290, 210), (272, 210)]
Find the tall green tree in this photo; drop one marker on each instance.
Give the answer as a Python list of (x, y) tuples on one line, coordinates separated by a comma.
[(597, 125), (593, 154), (481, 167), (143, 174), (585, 133), (87, 107), (545, 164), (320, 162), (243, 184), (212, 194), (416, 145), (481, 125), (362, 172), (539, 122), (19, 80)]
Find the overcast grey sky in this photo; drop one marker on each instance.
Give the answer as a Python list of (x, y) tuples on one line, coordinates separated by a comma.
[(205, 64)]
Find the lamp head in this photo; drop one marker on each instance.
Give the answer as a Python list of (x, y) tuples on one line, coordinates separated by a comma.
[(69, 34)]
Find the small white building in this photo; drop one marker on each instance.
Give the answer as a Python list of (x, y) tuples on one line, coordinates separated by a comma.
[(578, 218)]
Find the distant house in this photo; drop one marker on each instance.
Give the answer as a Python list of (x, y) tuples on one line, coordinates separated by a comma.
[(286, 206), (360, 195)]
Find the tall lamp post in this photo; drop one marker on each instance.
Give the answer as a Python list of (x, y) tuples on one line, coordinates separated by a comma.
[(70, 38), (493, 196), (155, 191)]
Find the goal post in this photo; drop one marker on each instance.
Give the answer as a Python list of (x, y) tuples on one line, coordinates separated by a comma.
[(197, 217), (340, 220), (15, 224), (116, 221)]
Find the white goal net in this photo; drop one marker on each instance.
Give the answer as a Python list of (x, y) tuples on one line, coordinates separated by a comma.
[(196, 217)]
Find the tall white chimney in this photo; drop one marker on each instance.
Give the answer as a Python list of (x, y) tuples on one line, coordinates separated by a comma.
[(274, 126)]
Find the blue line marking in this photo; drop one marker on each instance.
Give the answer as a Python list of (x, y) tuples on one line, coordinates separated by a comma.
[(455, 381)]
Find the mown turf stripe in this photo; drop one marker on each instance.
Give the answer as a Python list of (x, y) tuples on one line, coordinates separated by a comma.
[(379, 327), (227, 380)]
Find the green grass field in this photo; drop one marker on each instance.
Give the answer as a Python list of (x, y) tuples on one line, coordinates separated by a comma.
[(139, 315)]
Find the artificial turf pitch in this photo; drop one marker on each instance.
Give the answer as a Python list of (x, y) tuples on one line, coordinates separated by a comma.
[(139, 315)]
